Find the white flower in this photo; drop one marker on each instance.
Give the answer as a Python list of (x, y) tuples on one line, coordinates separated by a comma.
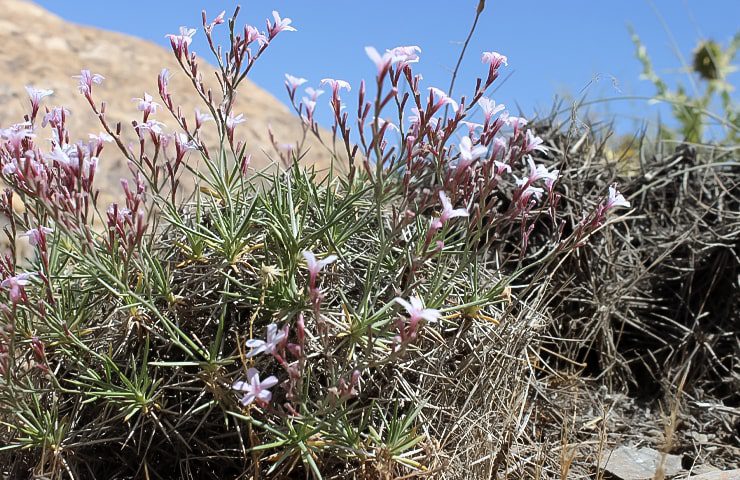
[(470, 153), (489, 107), (416, 311), (274, 338), (616, 199), (294, 82), (443, 98), (255, 389), (494, 59)]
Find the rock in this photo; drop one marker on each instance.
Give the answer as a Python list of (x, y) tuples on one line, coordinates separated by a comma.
[(629, 463), (726, 475)]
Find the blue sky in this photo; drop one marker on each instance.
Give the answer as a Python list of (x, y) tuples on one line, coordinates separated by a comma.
[(554, 47)]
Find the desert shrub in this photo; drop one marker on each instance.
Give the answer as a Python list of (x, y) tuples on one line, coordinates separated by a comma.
[(366, 323)]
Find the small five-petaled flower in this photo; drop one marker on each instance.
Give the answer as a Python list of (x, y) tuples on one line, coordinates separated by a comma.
[(616, 199), (274, 338), (469, 153), (494, 59), (281, 25), (315, 266), (489, 107), (416, 311), (15, 285), (254, 389), (146, 104), (86, 80), (181, 42), (36, 95), (447, 212), (36, 234)]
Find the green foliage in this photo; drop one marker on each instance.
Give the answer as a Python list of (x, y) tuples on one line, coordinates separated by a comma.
[(692, 108)]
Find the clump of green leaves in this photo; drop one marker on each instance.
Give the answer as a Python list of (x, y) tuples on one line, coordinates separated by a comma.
[(694, 106)]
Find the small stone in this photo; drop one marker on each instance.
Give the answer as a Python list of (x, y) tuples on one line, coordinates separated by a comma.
[(629, 463), (700, 438), (726, 475)]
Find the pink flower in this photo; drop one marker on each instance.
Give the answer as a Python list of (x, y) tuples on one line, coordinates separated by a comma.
[(416, 311), (415, 119), (501, 167), (181, 42), (274, 338), (55, 116), (35, 235), (163, 81), (152, 125), (252, 34), (489, 107), (447, 212), (293, 82), (390, 125), (382, 62), (184, 142), (537, 172), (146, 104), (232, 121), (550, 181), (515, 122), (310, 105), (10, 168), (443, 99), (254, 389), (470, 153), (494, 59), (61, 155), (348, 390), (201, 117), (15, 285), (68, 157), (532, 143), (404, 55), (285, 148), (216, 21), (219, 18), (15, 136), (616, 199), (336, 85), (36, 95), (499, 147), (315, 266), (281, 25), (530, 191), (86, 79), (472, 126), (398, 55), (101, 137), (313, 93)]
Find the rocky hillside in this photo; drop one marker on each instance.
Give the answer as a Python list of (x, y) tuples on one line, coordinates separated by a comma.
[(43, 50)]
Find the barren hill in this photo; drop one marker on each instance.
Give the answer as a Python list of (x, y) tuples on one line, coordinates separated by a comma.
[(43, 50)]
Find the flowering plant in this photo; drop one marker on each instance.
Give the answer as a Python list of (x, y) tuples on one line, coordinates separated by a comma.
[(135, 328)]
